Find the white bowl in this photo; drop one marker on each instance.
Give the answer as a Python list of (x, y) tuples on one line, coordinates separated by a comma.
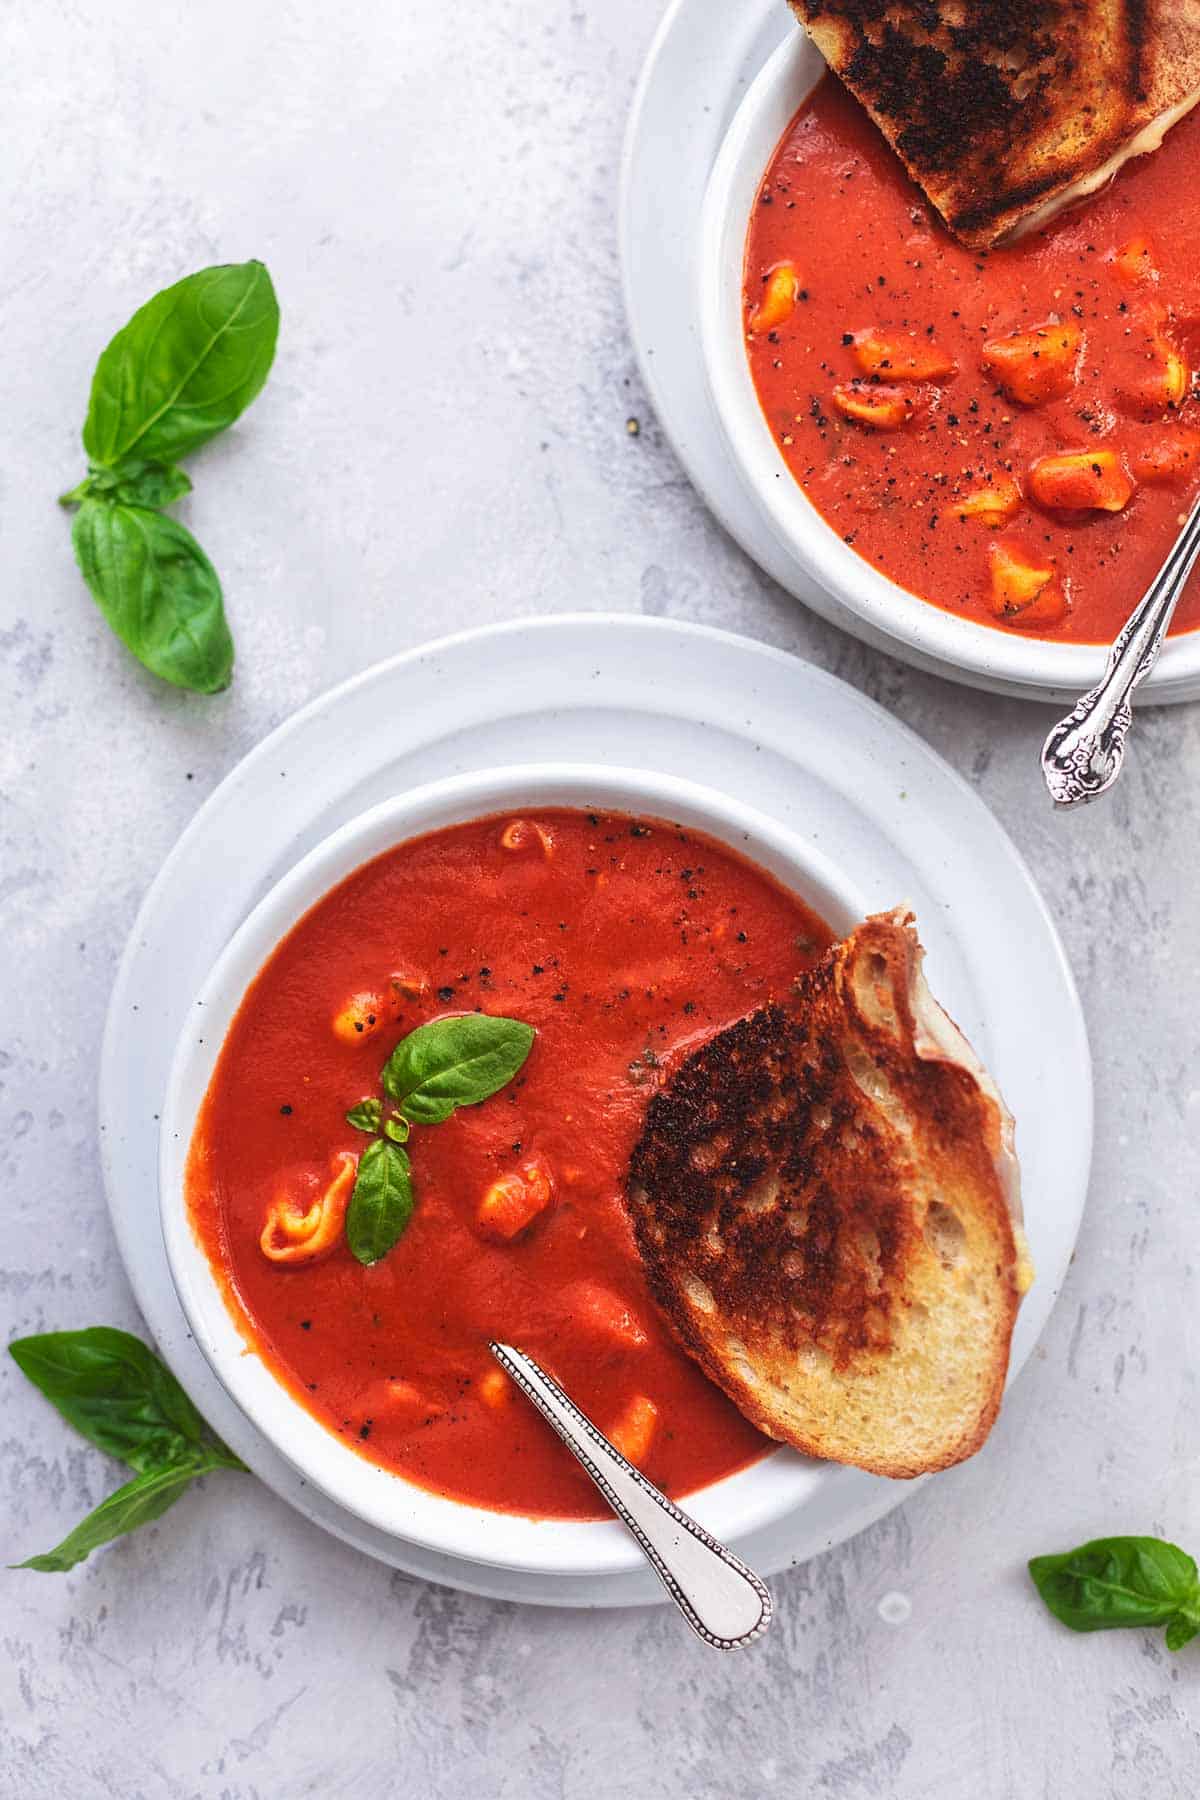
[(730, 1508), (1041, 668)]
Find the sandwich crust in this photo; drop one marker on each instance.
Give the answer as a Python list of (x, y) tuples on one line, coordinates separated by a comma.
[(1002, 111), (825, 1200)]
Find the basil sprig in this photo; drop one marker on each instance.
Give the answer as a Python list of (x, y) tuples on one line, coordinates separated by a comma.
[(1122, 1581), (186, 366), (112, 1388), (434, 1070)]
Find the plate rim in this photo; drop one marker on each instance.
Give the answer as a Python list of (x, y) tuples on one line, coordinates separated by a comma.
[(475, 1577)]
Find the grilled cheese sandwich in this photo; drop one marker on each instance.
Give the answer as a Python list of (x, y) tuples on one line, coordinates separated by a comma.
[(826, 1201)]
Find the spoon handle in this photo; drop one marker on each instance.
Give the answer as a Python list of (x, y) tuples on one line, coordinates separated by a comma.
[(722, 1600), (1083, 754)]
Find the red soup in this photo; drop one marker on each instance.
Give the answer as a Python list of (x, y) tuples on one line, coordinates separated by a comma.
[(1014, 435), (623, 943)]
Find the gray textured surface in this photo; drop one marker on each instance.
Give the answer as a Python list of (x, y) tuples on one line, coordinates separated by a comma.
[(443, 442)]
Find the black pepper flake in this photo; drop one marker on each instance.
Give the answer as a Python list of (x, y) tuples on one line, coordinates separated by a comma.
[(741, 937), (636, 830), (538, 969), (847, 337), (286, 1111), (443, 993), (689, 1006), (364, 1430), (306, 1324), (485, 974)]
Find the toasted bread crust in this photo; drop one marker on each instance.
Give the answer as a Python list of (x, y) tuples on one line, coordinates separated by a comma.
[(997, 109), (783, 1214)]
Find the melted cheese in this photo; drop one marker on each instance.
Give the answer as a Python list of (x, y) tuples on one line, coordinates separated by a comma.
[(1148, 139)]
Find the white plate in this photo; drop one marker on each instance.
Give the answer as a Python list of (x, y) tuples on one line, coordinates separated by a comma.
[(702, 62), (751, 721)]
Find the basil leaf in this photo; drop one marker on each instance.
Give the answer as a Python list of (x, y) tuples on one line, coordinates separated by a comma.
[(158, 591), (454, 1062), (139, 1502), (112, 1388), (397, 1129), (184, 367), (138, 484), (366, 1115), (150, 484), (382, 1202), (1122, 1581)]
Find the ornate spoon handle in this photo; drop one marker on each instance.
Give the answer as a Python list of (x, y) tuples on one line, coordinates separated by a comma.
[(722, 1600), (1083, 754)]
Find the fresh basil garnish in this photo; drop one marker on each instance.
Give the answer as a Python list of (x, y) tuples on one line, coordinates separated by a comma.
[(112, 1388), (184, 368), (188, 363), (382, 1202), (454, 1062), (436, 1068), (366, 1115), (158, 591), (1122, 1581)]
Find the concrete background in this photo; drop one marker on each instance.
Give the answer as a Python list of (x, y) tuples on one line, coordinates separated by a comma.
[(443, 442)]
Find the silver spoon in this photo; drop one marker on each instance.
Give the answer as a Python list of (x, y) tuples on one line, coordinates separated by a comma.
[(1082, 756), (722, 1600)]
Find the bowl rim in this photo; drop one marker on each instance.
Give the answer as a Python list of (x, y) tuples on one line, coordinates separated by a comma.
[(1039, 666), (729, 1508)]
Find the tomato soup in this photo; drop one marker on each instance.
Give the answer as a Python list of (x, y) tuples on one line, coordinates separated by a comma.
[(1014, 435), (623, 943)]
